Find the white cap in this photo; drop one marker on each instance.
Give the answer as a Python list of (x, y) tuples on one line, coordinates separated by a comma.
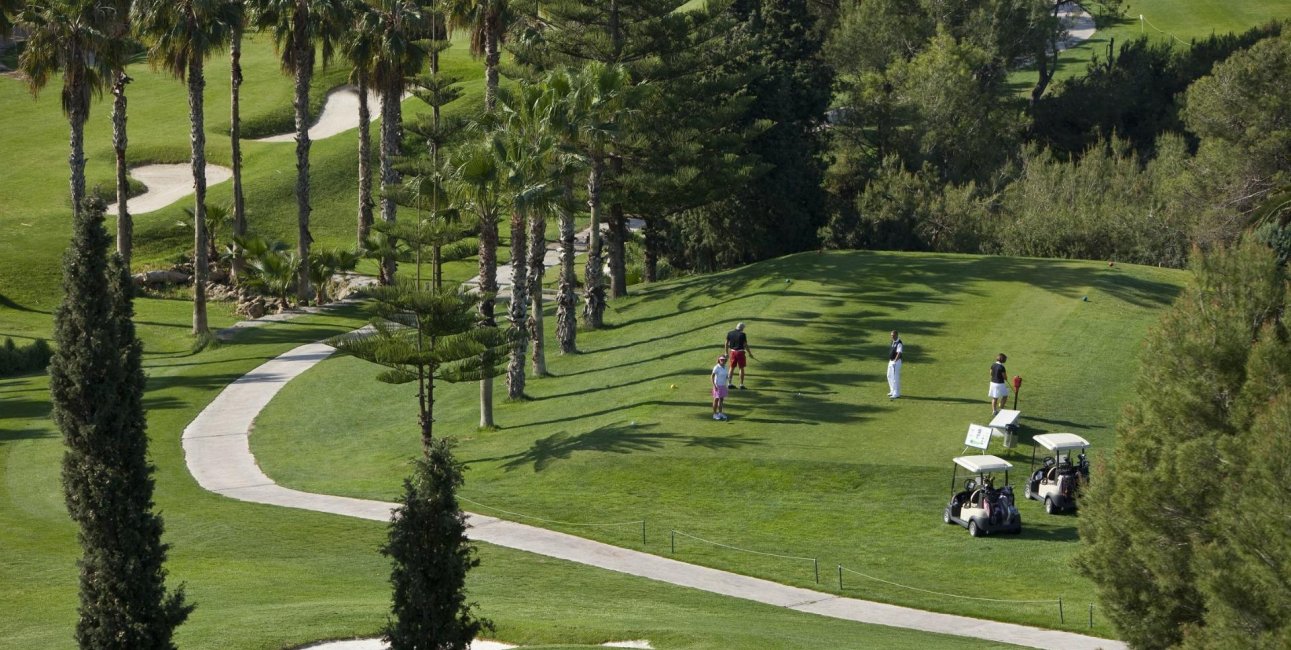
[(740, 326)]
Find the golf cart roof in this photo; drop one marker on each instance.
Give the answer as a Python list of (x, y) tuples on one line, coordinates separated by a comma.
[(982, 464), (1060, 441)]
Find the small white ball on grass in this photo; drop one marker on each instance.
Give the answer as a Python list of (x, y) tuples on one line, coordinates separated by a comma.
[(673, 387)]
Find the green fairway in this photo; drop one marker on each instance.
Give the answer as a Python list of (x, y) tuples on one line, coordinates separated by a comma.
[(266, 577), (33, 195), (1179, 21), (816, 462)]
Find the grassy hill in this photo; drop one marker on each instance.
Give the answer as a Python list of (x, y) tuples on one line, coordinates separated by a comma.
[(269, 578), (1179, 21), (816, 462)]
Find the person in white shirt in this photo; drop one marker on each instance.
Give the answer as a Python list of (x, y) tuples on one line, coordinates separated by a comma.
[(720, 377), (894, 366)]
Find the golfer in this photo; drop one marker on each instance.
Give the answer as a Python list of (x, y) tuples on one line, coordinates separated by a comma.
[(737, 346), (999, 391), (895, 351), (720, 376)]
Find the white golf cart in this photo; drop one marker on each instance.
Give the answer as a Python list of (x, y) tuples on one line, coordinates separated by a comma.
[(1058, 478), (980, 506)]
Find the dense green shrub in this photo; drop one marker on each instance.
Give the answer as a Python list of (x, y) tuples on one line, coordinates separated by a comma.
[(16, 360)]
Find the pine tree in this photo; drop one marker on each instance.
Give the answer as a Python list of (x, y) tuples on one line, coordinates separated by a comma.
[(780, 211), (652, 41), (431, 556), (97, 384), (1156, 521)]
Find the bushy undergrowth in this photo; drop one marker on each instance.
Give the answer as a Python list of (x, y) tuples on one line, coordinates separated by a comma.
[(15, 360)]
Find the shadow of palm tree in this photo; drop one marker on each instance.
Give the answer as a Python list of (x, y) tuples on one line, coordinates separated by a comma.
[(616, 438)]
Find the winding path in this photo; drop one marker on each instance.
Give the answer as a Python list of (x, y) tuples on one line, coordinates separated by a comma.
[(218, 453)]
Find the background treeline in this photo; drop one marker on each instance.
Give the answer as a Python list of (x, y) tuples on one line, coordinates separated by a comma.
[(898, 125), (1153, 149)]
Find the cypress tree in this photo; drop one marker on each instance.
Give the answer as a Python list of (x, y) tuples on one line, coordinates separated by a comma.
[(431, 556), (97, 385)]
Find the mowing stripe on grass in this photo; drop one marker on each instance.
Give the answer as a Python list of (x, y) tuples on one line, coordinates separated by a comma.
[(218, 454)]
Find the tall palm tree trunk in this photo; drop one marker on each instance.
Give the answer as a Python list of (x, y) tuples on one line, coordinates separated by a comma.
[(235, 137), (616, 239), (76, 116), (491, 58), (197, 136), (125, 226), (304, 72), (365, 161), (537, 250), (593, 291), (519, 304), (488, 268), (566, 326), (390, 117)]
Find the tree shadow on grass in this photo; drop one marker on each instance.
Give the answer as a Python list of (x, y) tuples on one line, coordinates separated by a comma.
[(7, 435), (616, 438), (1062, 528), (19, 408), (8, 303)]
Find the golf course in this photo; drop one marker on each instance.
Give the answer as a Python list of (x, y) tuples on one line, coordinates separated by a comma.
[(817, 481)]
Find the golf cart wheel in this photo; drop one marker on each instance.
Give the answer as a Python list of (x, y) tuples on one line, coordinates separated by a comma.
[(945, 516), (1050, 507), (973, 529)]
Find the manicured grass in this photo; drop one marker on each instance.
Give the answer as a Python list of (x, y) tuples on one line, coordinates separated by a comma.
[(1184, 20), (815, 462), (266, 577), (33, 191)]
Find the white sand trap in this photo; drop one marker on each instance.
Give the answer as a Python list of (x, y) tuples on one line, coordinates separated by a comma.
[(1079, 24), (340, 114), (167, 184), (378, 644)]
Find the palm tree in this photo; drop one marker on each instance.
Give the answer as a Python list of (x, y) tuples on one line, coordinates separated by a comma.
[(596, 102), (122, 52), (569, 164), (360, 50), (526, 157), (299, 27), (69, 36), (487, 22), (398, 26), (181, 35), (476, 183), (238, 13), (9, 10)]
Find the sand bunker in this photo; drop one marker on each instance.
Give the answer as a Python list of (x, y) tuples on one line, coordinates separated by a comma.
[(340, 114), (167, 184), (1080, 25)]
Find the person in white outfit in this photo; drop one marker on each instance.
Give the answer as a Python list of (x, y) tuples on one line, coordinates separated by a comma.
[(894, 366)]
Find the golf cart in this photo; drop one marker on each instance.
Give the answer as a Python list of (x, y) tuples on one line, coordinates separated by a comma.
[(1057, 480), (981, 507)]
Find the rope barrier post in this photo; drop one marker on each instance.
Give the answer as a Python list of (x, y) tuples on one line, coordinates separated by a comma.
[(816, 562), (674, 542), (1061, 619), (1091, 616), (643, 541), (840, 577)]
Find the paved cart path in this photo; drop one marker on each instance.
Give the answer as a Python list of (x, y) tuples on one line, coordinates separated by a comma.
[(217, 450)]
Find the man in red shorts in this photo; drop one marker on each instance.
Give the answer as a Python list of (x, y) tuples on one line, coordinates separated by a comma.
[(737, 347)]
